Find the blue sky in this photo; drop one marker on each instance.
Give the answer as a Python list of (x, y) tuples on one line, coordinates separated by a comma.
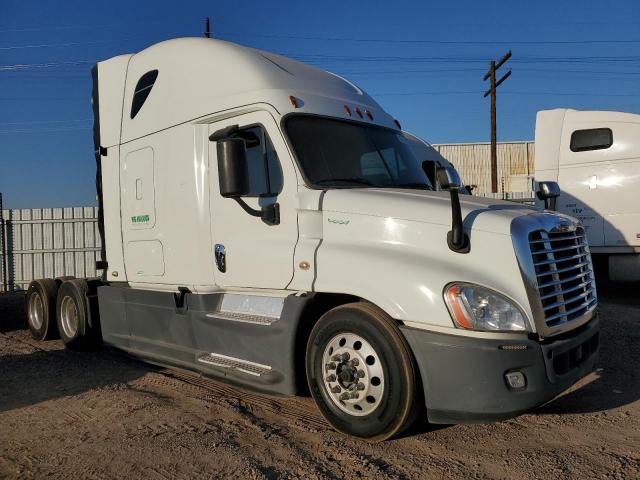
[(423, 61)]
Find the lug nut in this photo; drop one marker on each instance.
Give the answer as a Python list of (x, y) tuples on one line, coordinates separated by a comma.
[(345, 356), (360, 373), (330, 366), (360, 386), (345, 396), (354, 395), (336, 358), (331, 378), (336, 389), (354, 362)]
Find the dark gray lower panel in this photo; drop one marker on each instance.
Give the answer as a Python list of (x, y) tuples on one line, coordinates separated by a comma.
[(463, 377), (149, 325)]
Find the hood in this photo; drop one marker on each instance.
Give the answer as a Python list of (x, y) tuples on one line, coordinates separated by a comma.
[(425, 206)]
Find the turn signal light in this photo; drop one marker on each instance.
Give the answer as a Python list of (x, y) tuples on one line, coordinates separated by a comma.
[(460, 315)]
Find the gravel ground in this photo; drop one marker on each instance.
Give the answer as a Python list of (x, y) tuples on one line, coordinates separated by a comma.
[(103, 415)]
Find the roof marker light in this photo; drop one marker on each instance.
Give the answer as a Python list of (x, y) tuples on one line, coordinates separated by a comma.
[(359, 112), (347, 110), (368, 114), (397, 124), (294, 101)]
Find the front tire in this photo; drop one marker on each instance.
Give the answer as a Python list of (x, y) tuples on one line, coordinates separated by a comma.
[(41, 309), (361, 372)]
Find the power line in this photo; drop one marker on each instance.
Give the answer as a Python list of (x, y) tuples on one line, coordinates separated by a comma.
[(439, 42), (83, 44), (43, 130), (37, 122), (476, 92)]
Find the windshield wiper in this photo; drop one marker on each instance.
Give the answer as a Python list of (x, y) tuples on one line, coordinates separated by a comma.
[(418, 185), (361, 181)]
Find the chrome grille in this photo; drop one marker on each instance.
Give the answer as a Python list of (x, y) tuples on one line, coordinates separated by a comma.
[(564, 274)]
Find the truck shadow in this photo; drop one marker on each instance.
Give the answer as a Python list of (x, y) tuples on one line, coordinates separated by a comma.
[(30, 378), (616, 380)]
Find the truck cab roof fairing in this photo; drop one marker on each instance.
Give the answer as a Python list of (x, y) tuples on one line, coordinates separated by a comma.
[(199, 77)]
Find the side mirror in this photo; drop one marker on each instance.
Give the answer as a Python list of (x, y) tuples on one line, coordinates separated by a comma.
[(448, 178), (233, 170), (233, 176), (549, 192)]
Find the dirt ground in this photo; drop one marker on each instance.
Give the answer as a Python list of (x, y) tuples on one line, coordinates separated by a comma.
[(103, 415)]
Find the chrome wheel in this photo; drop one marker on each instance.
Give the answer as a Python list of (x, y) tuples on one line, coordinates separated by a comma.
[(69, 316), (353, 374), (36, 311)]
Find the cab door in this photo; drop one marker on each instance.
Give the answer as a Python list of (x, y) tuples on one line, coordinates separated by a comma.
[(247, 251)]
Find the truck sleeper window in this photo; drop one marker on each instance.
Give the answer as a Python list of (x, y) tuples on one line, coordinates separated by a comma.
[(348, 154), (142, 91), (591, 139), (265, 173)]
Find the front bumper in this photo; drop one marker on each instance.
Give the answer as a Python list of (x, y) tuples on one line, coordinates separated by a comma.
[(464, 377)]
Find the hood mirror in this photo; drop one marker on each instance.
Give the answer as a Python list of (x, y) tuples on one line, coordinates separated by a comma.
[(457, 239), (548, 192), (448, 178)]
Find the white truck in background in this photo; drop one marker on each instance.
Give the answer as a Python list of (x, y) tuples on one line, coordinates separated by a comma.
[(594, 156), (267, 222)]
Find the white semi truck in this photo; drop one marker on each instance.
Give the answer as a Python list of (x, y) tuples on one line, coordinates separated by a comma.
[(267, 222), (594, 156)]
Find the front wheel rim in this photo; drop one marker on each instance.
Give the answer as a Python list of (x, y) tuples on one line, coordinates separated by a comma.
[(352, 374), (36, 311), (69, 317)]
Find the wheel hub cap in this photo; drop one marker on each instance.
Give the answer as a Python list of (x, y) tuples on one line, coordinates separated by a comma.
[(353, 375), (36, 311)]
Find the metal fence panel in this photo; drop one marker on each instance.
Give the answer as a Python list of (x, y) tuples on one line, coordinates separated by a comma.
[(473, 162), (49, 243)]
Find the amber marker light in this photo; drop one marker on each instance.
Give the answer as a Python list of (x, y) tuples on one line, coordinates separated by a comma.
[(454, 301)]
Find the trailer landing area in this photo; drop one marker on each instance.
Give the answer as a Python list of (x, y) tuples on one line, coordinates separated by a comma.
[(103, 415)]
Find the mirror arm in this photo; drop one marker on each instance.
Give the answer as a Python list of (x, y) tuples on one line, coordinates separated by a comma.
[(270, 214), (457, 239)]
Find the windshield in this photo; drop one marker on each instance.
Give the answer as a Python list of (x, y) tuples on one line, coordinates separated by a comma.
[(346, 154)]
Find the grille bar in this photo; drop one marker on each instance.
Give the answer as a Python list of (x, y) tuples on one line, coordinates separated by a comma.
[(564, 259), (564, 274), (563, 270), (568, 237), (562, 281), (581, 307), (568, 290), (562, 302)]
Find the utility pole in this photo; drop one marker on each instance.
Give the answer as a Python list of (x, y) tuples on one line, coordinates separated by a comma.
[(207, 27), (491, 75), (3, 249)]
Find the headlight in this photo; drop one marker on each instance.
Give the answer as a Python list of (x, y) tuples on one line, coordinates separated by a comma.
[(478, 308)]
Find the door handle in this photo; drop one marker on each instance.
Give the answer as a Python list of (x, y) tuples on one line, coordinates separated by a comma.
[(221, 257)]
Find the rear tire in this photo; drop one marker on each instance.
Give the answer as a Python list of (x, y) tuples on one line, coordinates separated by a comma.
[(361, 372), (73, 316), (41, 309)]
